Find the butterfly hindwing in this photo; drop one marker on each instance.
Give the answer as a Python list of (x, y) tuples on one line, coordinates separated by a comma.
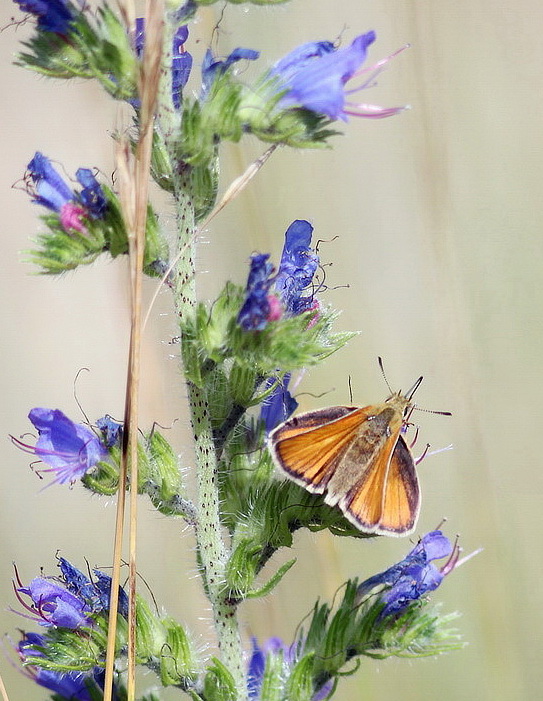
[(386, 498), (402, 495)]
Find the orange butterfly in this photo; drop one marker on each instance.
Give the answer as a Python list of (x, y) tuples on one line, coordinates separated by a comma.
[(358, 458)]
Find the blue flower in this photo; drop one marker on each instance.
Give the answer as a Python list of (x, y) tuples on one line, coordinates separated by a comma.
[(92, 195), (314, 76), (267, 298), (112, 431), (297, 268), (53, 15), (279, 405), (181, 59), (49, 190), (70, 602), (213, 68), (95, 594), (257, 665), (254, 313), (69, 448), (415, 575)]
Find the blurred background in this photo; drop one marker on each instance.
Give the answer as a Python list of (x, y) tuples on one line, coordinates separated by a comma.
[(433, 228)]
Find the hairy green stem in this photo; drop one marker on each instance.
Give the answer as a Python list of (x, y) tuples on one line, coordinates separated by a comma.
[(212, 549)]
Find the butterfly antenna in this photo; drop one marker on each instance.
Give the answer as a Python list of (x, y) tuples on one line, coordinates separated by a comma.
[(431, 411), (350, 390), (380, 361), (409, 394)]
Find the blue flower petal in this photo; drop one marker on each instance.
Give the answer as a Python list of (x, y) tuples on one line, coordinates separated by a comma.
[(53, 15), (51, 190), (316, 81), (69, 448), (212, 68), (92, 195), (279, 405)]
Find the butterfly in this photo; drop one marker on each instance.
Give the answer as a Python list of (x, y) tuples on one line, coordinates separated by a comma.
[(358, 458)]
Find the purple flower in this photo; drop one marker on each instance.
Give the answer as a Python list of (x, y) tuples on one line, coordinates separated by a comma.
[(69, 448), (279, 405), (181, 59), (257, 665), (415, 575), (70, 601), (49, 189), (212, 68), (267, 298), (53, 15), (52, 604), (314, 76)]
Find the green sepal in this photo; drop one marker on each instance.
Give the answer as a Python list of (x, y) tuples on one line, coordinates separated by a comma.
[(163, 466), (156, 247), (210, 120), (242, 381), (273, 678), (104, 477), (219, 684), (150, 633), (177, 666), (56, 55), (59, 250), (67, 650), (296, 127), (291, 343), (300, 686), (270, 585)]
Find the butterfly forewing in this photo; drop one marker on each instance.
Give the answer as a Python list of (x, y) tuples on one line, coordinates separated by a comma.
[(310, 447)]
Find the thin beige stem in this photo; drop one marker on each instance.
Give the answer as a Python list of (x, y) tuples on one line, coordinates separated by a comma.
[(3, 691), (134, 184)]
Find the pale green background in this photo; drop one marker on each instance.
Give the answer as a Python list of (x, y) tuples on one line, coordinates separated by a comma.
[(439, 215)]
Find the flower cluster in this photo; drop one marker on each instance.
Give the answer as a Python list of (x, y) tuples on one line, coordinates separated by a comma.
[(268, 297), (70, 602), (48, 189), (415, 575)]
